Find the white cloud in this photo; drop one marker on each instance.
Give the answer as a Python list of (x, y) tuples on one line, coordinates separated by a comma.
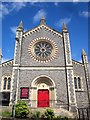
[(23, 0), (5, 9), (18, 5), (60, 22), (39, 15), (15, 0), (13, 29), (43, 0), (75, 0), (56, 3), (84, 14)]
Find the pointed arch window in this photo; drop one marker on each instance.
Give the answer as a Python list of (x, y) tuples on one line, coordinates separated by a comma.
[(77, 83), (9, 83), (5, 83)]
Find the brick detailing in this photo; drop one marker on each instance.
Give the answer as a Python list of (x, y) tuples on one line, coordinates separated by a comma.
[(67, 48), (71, 86), (14, 85), (71, 90), (39, 28)]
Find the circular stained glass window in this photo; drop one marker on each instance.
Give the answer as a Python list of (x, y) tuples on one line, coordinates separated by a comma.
[(43, 49)]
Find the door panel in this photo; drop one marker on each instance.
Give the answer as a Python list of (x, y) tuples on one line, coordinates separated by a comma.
[(43, 98)]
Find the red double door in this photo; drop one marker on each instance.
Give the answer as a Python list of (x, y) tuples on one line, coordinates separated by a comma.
[(43, 98)]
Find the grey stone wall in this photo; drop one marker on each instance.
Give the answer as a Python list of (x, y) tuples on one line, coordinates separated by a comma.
[(81, 95), (82, 99), (26, 60), (27, 76), (7, 69)]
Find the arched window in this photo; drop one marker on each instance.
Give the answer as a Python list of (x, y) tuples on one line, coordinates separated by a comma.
[(5, 83), (75, 82), (79, 83), (9, 83)]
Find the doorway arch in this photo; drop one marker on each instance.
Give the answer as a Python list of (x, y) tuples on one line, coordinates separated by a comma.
[(43, 86)]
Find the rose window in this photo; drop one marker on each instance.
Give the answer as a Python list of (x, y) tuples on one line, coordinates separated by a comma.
[(43, 49)]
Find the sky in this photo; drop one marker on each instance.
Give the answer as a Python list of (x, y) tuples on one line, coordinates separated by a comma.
[(74, 14)]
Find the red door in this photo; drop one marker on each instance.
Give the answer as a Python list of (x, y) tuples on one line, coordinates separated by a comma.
[(43, 98)]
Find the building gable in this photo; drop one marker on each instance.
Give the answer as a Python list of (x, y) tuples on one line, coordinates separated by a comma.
[(46, 34), (38, 28)]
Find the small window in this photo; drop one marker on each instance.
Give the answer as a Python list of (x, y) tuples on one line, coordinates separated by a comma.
[(5, 83), (79, 83), (75, 82), (9, 83)]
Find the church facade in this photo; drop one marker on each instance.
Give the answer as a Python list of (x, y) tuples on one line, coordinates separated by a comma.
[(43, 72)]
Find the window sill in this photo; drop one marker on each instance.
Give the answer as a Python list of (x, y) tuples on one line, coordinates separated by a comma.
[(5, 90), (24, 98), (79, 90)]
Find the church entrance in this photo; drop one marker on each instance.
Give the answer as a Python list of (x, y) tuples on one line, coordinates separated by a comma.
[(43, 98), (43, 92)]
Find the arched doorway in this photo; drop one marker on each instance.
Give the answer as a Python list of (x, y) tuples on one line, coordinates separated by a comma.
[(43, 92)]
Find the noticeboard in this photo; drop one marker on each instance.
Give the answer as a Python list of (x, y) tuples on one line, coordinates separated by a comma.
[(24, 93)]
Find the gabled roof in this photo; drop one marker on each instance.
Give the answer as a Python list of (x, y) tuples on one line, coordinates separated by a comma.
[(77, 62), (38, 28), (9, 62)]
